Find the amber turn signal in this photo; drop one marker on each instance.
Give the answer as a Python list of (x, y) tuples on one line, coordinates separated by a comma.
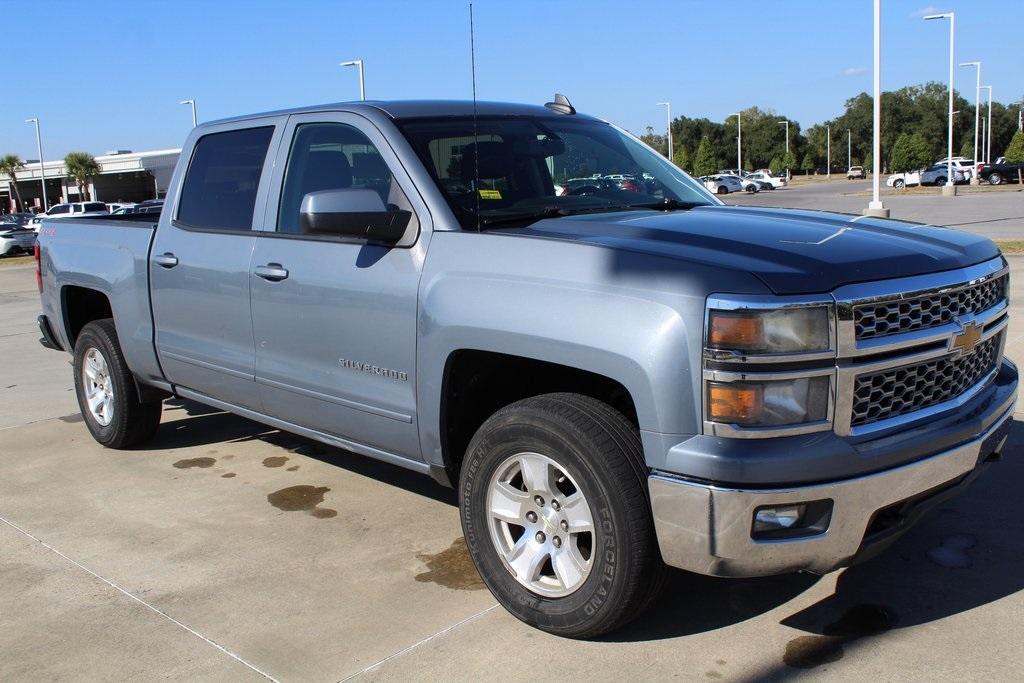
[(736, 331), (738, 403)]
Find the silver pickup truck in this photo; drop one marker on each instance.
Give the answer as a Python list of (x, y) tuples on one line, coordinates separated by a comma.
[(617, 371)]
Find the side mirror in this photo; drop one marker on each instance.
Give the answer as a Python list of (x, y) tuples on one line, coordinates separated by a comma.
[(352, 212)]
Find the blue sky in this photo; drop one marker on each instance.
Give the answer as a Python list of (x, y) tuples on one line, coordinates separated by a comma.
[(107, 75)]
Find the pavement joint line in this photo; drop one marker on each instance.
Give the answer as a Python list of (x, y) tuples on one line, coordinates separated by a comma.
[(32, 422), (415, 645), (139, 600)]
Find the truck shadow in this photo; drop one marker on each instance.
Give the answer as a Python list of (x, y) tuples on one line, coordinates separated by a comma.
[(965, 554)]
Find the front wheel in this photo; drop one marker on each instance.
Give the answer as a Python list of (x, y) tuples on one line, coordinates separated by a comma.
[(722, 189), (556, 516), (106, 391), (995, 179), (899, 184)]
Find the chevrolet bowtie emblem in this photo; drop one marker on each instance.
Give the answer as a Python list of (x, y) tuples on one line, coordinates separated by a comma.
[(967, 339)]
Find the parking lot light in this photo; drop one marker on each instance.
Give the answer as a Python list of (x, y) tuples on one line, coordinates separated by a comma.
[(42, 169), (828, 152), (875, 206), (988, 136), (739, 143), (668, 116), (362, 85), (977, 112), (193, 103), (952, 31)]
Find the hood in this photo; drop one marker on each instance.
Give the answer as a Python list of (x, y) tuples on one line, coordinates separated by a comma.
[(791, 251)]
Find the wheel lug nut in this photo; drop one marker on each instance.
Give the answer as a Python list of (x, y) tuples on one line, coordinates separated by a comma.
[(564, 525), (557, 542), (538, 500), (540, 537), (531, 517), (555, 506)]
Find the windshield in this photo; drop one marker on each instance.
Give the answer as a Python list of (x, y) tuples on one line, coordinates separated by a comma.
[(531, 167)]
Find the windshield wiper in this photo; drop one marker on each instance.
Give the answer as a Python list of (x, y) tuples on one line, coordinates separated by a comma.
[(549, 212), (667, 205)]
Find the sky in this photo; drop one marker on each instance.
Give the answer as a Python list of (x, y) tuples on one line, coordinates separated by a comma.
[(105, 74)]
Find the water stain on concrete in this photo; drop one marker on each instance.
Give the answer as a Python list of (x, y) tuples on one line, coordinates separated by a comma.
[(302, 498), (452, 568), (275, 461), (808, 652), (76, 417), (712, 674), (953, 552), (292, 468), (195, 462), (229, 456), (227, 475)]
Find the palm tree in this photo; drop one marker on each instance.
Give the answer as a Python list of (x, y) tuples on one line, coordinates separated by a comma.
[(9, 165), (81, 166)]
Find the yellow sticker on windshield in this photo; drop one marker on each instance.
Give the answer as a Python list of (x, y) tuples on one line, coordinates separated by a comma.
[(490, 194)]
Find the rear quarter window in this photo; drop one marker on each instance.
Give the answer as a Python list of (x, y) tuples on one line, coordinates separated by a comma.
[(219, 190)]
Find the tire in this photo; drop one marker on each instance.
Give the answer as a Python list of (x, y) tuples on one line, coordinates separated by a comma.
[(899, 184), (941, 180), (722, 189), (995, 178), (591, 456), (123, 421)]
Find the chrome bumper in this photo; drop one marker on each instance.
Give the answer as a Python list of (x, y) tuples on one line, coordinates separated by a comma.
[(707, 529)]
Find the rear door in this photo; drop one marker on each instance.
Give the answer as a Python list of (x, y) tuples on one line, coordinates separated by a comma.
[(199, 265), (335, 322)]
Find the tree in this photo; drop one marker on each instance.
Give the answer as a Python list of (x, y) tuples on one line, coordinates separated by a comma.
[(909, 153), (747, 165), (9, 165), (966, 149), (788, 161), (775, 165), (808, 163), (81, 166), (1015, 153), (704, 161), (682, 158)]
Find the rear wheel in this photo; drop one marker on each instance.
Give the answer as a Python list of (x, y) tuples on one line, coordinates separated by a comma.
[(995, 179), (106, 391), (556, 516), (941, 180), (899, 184), (722, 189)]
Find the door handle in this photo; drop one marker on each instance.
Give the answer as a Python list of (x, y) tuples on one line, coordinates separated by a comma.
[(166, 259), (272, 272)]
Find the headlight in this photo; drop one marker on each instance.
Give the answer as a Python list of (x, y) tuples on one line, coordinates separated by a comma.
[(771, 403), (786, 330)]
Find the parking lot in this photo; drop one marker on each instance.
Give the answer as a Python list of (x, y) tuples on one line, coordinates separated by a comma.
[(996, 213), (226, 550)]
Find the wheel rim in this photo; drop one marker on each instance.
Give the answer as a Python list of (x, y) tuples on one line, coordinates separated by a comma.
[(99, 387), (541, 524)]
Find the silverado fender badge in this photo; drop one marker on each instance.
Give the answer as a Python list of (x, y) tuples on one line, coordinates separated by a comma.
[(373, 369), (966, 339)]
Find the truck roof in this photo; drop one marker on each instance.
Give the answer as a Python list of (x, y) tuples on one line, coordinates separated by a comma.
[(403, 109)]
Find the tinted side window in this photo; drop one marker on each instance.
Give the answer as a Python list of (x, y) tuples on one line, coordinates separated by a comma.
[(219, 190), (331, 156), (60, 208)]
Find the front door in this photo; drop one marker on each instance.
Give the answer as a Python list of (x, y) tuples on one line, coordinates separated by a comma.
[(334, 319), (199, 265)]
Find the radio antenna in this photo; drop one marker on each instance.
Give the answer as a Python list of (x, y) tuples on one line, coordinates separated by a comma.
[(476, 141)]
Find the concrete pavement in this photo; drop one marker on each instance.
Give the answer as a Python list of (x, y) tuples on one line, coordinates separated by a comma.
[(226, 550)]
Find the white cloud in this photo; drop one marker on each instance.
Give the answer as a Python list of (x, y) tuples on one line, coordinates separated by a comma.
[(854, 71), (925, 11)]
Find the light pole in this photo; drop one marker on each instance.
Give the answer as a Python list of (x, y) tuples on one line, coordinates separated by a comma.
[(875, 206), (362, 86), (195, 121), (988, 136), (849, 150), (739, 144), (786, 123), (828, 152), (950, 187), (977, 115), (42, 169), (668, 116)]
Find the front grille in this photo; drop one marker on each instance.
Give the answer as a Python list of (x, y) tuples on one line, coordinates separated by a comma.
[(898, 391), (923, 312)]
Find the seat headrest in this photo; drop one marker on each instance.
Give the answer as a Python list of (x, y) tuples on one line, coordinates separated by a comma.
[(494, 158), (369, 165), (326, 170)]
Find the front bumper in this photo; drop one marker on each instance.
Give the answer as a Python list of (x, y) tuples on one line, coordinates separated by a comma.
[(707, 529)]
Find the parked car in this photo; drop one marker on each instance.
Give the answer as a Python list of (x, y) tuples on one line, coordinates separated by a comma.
[(855, 172), (766, 177), (939, 174), (114, 207), (16, 239), (77, 209), (999, 173), (722, 184), (962, 164), (20, 219), (747, 184), (614, 381), (901, 180)]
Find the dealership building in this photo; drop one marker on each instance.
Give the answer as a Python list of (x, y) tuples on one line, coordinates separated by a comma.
[(124, 176)]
